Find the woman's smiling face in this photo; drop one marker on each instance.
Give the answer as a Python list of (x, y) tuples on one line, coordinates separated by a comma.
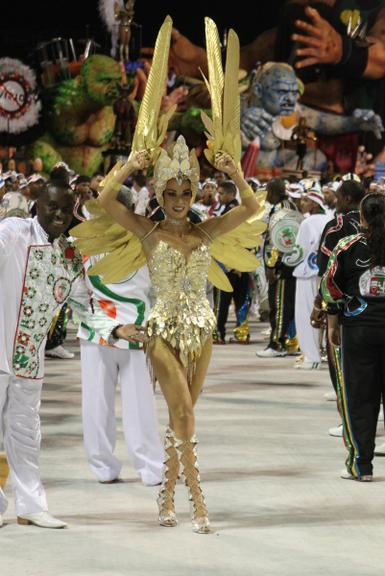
[(177, 199)]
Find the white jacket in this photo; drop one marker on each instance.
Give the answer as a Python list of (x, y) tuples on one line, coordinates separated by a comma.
[(308, 238), (36, 279)]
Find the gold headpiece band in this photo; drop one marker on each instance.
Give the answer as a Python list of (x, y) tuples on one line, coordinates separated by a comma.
[(181, 164)]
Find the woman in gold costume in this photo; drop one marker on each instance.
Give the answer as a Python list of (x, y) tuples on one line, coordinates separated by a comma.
[(178, 254), (181, 322)]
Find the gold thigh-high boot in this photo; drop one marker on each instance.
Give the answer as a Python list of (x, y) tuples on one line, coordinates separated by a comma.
[(171, 472), (189, 463)]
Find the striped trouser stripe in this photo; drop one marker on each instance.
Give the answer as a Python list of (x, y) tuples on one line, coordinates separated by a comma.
[(279, 304), (351, 444)]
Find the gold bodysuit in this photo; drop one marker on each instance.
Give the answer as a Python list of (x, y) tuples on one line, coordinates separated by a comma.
[(181, 315)]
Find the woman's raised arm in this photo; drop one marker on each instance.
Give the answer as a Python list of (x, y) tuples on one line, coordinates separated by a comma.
[(236, 216), (137, 224)]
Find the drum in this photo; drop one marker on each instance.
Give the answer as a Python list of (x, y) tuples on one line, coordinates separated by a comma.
[(284, 226)]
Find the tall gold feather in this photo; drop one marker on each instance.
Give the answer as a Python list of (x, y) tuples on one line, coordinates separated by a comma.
[(214, 59), (223, 130), (146, 134), (231, 99)]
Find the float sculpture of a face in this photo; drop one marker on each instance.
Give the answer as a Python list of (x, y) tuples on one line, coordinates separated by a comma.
[(277, 89)]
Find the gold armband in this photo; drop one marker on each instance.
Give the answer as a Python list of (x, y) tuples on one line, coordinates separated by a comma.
[(246, 193)]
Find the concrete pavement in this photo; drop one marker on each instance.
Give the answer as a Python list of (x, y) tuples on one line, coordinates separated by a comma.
[(270, 474)]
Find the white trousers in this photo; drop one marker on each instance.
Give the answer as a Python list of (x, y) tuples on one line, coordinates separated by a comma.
[(308, 337), (102, 367), (20, 424)]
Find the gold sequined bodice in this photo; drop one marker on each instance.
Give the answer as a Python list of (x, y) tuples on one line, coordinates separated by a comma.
[(181, 314)]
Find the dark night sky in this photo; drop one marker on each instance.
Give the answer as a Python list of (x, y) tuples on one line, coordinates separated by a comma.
[(28, 23)]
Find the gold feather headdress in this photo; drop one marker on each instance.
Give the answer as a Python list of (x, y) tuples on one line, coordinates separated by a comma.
[(181, 165)]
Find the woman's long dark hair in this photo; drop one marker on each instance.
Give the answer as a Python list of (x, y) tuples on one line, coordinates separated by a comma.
[(373, 210)]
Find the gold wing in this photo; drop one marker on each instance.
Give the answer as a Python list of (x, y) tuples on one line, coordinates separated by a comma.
[(223, 129), (234, 248), (102, 235)]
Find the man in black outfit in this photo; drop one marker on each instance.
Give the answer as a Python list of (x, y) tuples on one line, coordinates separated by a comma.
[(279, 276), (239, 280), (345, 223)]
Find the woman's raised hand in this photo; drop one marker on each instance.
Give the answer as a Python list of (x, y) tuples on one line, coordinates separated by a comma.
[(139, 160), (224, 163)]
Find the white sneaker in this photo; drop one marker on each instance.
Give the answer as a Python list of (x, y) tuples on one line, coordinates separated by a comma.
[(151, 479), (60, 352), (41, 519), (347, 475), (330, 396), (152, 483), (336, 431), (379, 450), (270, 353), (308, 366)]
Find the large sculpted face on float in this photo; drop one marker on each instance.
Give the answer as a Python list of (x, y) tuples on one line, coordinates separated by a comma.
[(101, 76), (278, 90)]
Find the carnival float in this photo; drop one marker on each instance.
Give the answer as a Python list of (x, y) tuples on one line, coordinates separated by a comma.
[(79, 103)]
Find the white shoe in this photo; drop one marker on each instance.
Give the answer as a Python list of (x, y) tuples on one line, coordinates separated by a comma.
[(308, 366), (380, 450), (330, 396), (42, 519), (270, 353), (60, 352), (347, 475), (336, 431), (151, 479), (152, 483)]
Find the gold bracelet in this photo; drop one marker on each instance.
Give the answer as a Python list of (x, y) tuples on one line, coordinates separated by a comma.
[(246, 193)]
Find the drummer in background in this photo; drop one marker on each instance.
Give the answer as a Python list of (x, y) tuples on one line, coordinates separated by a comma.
[(329, 191), (295, 192), (279, 276), (306, 273)]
